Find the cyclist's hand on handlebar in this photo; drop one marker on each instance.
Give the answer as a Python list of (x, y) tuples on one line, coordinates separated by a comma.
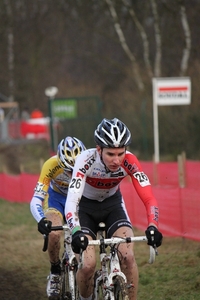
[(79, 241), (44, 226), (154, 236)]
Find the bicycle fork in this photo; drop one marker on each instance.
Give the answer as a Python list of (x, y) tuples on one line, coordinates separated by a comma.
[(115, 269), (101, 276), (70, 265)]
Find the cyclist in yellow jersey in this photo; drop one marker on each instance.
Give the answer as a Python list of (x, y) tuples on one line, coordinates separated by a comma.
[(48, 203)]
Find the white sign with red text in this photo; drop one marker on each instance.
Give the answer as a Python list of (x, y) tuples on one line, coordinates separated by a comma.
[(168, 91), (172, 91)]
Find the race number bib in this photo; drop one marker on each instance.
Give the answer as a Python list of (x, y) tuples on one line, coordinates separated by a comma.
[(39, 188), (141, 178), (75, 184)]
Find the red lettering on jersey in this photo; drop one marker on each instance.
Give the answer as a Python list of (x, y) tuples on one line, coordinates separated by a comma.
[(130, 164), (103, 183), (78, 174), (69, 215)]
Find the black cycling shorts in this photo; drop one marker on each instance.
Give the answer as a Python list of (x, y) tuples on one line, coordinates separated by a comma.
[(111, 211)]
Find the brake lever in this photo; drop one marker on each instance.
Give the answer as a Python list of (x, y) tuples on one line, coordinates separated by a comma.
[(46, 240), (81, 255), (152, 238)]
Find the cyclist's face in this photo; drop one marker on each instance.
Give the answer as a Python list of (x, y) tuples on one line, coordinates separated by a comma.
[(112, 157)]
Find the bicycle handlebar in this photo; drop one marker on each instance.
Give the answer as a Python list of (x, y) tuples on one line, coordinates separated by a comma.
[(110, 241), (46, 236), (119, 240)]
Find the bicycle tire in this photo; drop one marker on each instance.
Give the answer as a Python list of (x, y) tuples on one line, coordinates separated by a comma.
[(120, 288), (65, 286)]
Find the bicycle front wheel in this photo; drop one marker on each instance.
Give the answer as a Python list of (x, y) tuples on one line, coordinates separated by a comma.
[(69, 288), (65, 292), (120, 288)]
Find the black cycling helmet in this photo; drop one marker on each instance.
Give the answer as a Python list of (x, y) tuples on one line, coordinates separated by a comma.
[(68, 149), (112, 134)]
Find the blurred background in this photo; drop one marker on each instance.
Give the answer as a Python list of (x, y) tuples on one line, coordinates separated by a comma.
[(100, 56)]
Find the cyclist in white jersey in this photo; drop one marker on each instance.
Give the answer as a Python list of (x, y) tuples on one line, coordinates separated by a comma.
[(48, 203), (94, 196)]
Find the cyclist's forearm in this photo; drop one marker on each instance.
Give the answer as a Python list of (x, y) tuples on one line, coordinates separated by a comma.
[(73, 197), (36, 208)]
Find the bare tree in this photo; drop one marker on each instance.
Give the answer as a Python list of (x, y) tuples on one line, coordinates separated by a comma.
[(157, 69), (10, 48), (187, 35), (143, 36), (125, 46)]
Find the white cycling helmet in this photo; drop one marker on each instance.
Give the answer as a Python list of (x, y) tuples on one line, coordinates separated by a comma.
[(68, 149), (112, 134)]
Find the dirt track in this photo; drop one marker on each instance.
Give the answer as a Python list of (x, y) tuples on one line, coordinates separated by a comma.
[(14, 286)]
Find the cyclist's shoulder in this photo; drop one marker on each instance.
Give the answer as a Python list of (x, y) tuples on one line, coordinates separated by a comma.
[(89, 152), (86, 161), (131, 156), (51, 166), (131, 162), (86, 156), (51, 162)]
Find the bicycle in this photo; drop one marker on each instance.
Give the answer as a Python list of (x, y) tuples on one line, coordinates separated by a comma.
[(69, 266), (109, 281)]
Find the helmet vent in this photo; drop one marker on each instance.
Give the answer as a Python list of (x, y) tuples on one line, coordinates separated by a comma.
[(68, 150), (112, 134)]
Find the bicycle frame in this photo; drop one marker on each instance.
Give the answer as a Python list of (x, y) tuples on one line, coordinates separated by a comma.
[(69, 265), (105, 278), (110, 266), (69, 261)]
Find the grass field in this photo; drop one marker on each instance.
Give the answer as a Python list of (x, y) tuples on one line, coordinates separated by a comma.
[(24, 266)]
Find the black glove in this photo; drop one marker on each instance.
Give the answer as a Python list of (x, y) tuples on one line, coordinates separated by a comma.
[(44, 226), (79, 241), (154, 236)]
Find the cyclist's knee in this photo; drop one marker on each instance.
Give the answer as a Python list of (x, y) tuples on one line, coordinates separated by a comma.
[(54, 237), (54, 216), (128, 257), (89, 265), (88, 270)]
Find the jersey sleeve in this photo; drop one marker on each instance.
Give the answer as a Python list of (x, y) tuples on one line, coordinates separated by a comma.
[(143, 188), (36, 209), (44, 180), (40, 192), (74, 195)]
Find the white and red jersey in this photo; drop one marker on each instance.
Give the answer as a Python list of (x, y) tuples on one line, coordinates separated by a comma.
[(92, 179)]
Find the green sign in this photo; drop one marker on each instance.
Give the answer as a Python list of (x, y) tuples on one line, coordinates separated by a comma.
[(64, 108)]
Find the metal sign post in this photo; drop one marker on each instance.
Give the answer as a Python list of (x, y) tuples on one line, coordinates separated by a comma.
[(168, 91), (50, 92)]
